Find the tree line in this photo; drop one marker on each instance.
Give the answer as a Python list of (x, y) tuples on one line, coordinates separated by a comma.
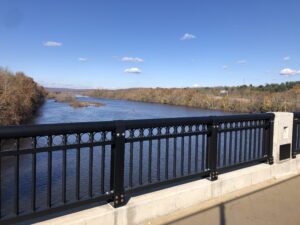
[(20, 97), (248, 99)]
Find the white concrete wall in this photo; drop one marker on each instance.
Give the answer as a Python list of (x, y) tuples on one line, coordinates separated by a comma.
[(283, 132), (143, 208)]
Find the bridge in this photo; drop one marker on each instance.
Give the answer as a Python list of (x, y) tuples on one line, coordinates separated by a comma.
[(130, 172)]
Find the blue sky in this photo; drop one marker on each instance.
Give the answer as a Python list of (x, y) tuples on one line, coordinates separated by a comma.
[(138, 43)]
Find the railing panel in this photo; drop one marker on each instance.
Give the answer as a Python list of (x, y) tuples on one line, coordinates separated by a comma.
[(46, 168), (161, 153), (44, 172), (242, 140)]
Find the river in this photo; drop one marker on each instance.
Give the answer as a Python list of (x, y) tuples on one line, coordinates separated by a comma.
[(57, 112)]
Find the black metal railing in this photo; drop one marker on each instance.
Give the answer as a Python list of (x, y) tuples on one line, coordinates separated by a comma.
[(46, 168), (296, 135)]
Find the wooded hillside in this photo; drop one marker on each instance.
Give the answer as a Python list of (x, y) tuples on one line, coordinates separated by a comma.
[(20, 97), (263, 98)]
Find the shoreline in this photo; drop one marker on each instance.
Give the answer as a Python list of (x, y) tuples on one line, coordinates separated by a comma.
[(244, 99), (170, 104)]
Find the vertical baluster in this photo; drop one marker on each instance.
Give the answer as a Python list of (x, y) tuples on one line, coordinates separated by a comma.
[(141, 131), (269, 135), (17, 176), (219, 149), (246, 141), (204, 149), (49, 196), (259, 140), (294, 138), (91, 157), (158, 153), (103, 153), (167, 153), (182, 150), (264, 138), (207, 152), (112, 159), (78, 136), (230, 150), (250, 141), (33, 174), (190, 150), (295, 134), (131, 134), (225, 145), (196, 148), (235, 141), (295, 124), (150, 156), (175, 152), (255, 138), (298, 140), (241, 141), (64, 169)]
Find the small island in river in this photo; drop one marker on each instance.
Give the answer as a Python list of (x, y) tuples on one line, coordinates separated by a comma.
[(71, 99)]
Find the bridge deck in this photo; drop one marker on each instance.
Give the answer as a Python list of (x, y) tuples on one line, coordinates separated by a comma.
[(272, 202)]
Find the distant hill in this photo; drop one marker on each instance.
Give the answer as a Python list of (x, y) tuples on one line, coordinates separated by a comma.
[(245, 98), (65, 90)]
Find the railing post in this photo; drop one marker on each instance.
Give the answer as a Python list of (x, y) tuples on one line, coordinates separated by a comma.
[(117, 165), (269, 140), (212, 147), (294, 153)]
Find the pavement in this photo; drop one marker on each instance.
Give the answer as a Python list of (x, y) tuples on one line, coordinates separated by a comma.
[(274, 202)]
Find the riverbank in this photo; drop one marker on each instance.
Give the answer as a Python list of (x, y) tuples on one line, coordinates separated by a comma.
[(20, 98), (242, 99)]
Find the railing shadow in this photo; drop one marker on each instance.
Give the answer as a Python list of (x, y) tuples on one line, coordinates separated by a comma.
[(222, 215)]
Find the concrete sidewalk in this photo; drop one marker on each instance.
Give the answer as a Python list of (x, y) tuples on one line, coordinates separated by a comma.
[(272, 202)]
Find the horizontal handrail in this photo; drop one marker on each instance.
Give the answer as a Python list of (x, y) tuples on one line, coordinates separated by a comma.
[(297, 115), (19, 131), (54, 129)]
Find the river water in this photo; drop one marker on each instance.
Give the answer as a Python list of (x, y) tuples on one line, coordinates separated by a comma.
[(56, 112)]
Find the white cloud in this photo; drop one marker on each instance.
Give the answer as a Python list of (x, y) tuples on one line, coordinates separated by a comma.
[(224, 67), (242, 61), (132, 70), (286, 58), (187, 36), (132, 59), (52, 44), (289, 72), (80, 59), (195, 85)]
